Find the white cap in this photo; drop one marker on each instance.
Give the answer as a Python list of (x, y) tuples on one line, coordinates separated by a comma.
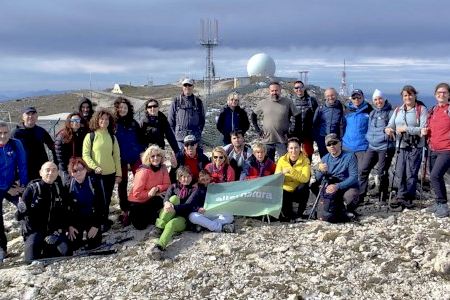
[(187, 81), (377, 93)]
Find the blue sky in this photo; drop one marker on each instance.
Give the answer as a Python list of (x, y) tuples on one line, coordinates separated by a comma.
[(386, 44)]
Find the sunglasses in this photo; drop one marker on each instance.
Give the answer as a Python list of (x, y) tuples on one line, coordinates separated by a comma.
[(333, 143), (187, 85), (75, 120), (189, 144), (152, 106), (356, 97), (218, 157), (298, 88)]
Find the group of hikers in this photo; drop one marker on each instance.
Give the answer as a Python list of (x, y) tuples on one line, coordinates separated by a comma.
[(63, 205)]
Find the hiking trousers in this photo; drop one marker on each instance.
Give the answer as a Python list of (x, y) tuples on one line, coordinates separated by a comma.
[(439, 165), (408, 166)]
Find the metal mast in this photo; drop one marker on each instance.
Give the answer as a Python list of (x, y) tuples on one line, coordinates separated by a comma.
[(344, 90), (303, 76), (209, 40)]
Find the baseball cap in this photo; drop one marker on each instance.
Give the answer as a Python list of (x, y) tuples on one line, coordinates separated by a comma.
[(189, 139), (29, 109), (187, 81), (358, 92), (332, 137)]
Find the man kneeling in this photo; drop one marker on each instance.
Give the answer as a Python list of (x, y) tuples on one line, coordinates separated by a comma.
[(42, 213), (338, 174)]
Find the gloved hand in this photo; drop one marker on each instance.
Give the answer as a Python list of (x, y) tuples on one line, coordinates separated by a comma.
[(21, 206), (53, 238)]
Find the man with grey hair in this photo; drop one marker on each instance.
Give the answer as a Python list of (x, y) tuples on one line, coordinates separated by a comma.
[(186, 114), (276, 112), (12, 162)]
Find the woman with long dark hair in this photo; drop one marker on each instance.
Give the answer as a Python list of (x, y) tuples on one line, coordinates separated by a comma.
[(128, 134), (102, 154), (69, 143)]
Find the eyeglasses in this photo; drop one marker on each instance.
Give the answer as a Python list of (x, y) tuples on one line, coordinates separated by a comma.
[(218, 157), (152, 106), (189, 144), (187, 85), (298, 87), (75, 120), (155, 156), (333, 143)]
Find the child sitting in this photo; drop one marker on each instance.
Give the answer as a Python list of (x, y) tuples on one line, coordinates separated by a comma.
[(217, 222), (172, 217)]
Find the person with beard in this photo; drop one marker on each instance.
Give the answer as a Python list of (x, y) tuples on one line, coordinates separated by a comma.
[(328, 119), (128, 134), (302, 124), (34, 139), (381, 147), (149, 184), (69, 143), (191, 156), (356, 122), (186, 114), (43, 212), (259, 164), (276, 112), (86, 110), (232, 118), (155, 127)]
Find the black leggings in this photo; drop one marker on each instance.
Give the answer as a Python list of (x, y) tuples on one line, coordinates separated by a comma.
[(144, 214)]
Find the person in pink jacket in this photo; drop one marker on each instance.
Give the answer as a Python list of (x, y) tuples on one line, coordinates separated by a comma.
[(220, 168), (151, 179)]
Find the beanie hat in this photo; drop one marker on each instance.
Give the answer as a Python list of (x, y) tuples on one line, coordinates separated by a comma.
[(377, 93)]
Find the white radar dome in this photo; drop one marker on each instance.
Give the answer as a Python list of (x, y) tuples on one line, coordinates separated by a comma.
[(261, 64)]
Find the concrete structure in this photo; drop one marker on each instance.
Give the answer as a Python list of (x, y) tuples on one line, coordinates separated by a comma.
[(116, 89)]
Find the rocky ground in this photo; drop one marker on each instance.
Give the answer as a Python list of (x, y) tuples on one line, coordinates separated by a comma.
[(384, 256)]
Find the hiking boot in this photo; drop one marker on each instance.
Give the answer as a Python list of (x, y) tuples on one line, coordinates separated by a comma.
[(432, 208), (441, 210), (157, 252), (396, 205), (2, 255), (375, 193), (408, 204), (156, 232), (198, 228), (228, 228)]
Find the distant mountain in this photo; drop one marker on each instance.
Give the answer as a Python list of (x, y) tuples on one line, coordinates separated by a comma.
[(11, 95)]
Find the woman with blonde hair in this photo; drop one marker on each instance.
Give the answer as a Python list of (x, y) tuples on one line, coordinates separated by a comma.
[(232, 118), (151, 179), (102, 154), (220, 168)]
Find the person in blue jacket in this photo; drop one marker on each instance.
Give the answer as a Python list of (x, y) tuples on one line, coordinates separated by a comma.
[(328, 118), (381, 147), (12, 161), (356, 123), (129, 137)]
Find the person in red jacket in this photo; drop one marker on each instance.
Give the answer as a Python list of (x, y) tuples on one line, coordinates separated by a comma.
[(259, 164), (220, 168), (438, 132), (151, 179)]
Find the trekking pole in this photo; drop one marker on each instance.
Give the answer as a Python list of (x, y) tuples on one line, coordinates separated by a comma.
[(397, 151), (424, 170), (316, 202), (385, 173)]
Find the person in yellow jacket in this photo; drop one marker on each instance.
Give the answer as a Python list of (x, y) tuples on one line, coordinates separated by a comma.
[(296, 168), (102, 154)]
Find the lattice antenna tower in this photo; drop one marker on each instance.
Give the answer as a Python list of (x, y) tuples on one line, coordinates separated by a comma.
[(209, 40), (303, 76), (344, 89)]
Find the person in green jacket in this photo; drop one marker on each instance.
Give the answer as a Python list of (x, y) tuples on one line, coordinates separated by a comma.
[(102, 154)]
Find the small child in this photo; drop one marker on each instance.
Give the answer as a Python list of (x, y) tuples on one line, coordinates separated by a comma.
[(172, 217), (217, 222)]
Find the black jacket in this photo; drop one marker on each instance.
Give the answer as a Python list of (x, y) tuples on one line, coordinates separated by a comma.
[(64, 151), (230, 120), (302, 124), (46, 208), (33, 141), (184, 208), (155, 129)]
